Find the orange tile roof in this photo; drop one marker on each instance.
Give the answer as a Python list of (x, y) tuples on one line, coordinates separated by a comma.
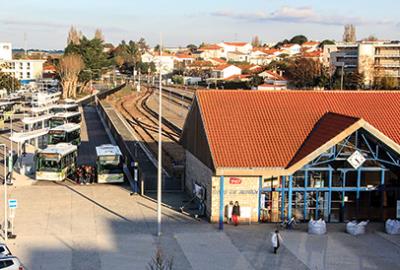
[(210, 47), (223, 66), (267, 129), (237, 77), (236, 44), (219, 60), (330, 125), (310, 43)]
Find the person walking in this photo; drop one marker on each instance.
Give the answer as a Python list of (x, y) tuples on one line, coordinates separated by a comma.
[(276, 241), (236, 213)]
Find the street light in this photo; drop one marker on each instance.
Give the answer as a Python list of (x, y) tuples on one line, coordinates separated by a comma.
[(5, 191), (159, 168)]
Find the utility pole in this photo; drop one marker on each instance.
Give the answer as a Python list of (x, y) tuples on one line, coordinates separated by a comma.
[(159, 167), (5, 192)]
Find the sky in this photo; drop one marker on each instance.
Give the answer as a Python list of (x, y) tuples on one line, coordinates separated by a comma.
[(45, 23)]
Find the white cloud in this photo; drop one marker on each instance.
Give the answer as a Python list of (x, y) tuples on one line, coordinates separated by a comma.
[(298, 15)]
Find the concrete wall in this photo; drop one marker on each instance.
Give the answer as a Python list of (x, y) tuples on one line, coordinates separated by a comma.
[(245, 192), (197, 172)]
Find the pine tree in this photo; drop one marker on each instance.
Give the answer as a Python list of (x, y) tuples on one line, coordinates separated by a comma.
[(349, 35), (73, 36), (99, 34)]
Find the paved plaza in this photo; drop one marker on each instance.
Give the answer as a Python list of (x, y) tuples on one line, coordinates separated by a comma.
[(66, 226)]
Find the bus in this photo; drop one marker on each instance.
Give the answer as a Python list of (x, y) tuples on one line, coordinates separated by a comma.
[(65, 117), (66, 106), (109, 164), (56, 162), (67, 133)]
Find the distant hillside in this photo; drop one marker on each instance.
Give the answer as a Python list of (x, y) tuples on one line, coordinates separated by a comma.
[(20, 50)]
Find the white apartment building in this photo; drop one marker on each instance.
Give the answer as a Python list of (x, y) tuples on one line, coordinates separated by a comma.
[(25, 70), (5, 51), (373, 59)]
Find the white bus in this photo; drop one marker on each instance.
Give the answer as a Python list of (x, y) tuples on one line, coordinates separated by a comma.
[(109, 164), (56, 162), (67, 133), (65, 117), (67, 106)]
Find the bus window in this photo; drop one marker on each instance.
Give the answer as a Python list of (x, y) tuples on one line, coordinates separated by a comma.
[(55, 138), (109, 164), (48, 165)]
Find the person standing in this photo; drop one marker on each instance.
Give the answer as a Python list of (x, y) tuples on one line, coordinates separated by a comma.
[(236, 213), (276, 241)]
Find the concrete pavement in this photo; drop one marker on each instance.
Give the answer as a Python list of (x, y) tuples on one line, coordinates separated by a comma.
[(64, 226)]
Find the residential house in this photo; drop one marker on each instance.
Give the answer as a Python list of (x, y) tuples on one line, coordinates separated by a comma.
[(210, 51), (243, 47), (237, 56), (310, 46), (225, 71), (291, 49)]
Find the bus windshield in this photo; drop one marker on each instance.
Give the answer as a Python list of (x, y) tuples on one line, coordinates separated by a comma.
[(45, 164), (55, 122), (56, 137), (109, 164)]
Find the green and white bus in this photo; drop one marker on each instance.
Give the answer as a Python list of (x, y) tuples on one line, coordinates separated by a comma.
[(65, 117), (67, 133), (109, 164), (56, 162)]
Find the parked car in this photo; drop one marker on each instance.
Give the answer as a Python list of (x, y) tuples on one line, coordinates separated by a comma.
[(11, 263), (4, 251)]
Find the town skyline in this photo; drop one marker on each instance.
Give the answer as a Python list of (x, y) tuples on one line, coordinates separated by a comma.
[(46, 28)]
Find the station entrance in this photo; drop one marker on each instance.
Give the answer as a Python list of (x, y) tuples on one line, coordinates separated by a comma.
[(358, 178)]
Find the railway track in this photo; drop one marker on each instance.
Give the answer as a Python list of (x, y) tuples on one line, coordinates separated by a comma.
[(144, 121)]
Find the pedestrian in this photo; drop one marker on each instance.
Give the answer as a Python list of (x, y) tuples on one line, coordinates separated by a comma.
[(276, 241), (236, 213)]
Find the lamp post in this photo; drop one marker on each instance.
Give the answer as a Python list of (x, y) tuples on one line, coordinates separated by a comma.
[(5, 191), (159, 167)]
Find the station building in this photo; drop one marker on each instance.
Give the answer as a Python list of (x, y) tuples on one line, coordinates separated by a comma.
[(332, 155)]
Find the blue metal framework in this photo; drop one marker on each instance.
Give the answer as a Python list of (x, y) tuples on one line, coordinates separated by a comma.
[(377, 158)]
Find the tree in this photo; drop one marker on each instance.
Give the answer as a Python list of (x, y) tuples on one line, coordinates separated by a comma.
[(255, 42), (157, 48), (349, 35), (159, 262), (306, 73), (370, 38), (192, 48), (74, 36), (299, 39), (69, 68), (94, 58), (8, 82), (99, 35), (326, 42), (142, 45), (386, 83)]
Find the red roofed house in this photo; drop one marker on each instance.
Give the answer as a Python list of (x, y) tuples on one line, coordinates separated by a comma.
[(211, 51), (304, 154), (224, 71), (242, 47), (310, 46)]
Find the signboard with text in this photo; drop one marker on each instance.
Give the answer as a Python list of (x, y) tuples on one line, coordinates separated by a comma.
[(235, 181)]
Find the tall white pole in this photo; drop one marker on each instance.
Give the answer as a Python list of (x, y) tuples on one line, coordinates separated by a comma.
[(5, 194), (159, 168)]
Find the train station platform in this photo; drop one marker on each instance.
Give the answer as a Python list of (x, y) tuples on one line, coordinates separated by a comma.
[(92, 134)]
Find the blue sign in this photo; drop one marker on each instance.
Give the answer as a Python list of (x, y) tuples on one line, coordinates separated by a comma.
[(12, 203)]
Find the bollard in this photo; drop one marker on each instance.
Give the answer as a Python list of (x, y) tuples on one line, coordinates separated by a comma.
[(142, 187)]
